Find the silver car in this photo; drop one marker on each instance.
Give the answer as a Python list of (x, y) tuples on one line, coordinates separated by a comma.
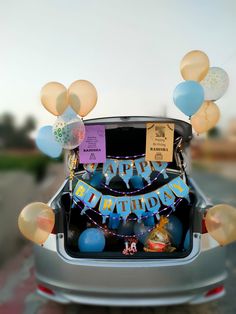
[(192, 274)]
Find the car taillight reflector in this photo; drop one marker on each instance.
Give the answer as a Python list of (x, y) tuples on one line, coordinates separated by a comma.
[(45, 290), (215, 291), (204, 229)]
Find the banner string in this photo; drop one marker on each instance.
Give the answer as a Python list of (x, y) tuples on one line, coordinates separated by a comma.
[(106, 230), (129, 192), (175, 204)]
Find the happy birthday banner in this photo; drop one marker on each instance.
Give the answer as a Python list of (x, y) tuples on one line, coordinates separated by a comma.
[(126, 205), (125, 169)]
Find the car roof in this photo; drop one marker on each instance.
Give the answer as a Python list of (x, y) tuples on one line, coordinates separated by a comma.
[(182, 128)]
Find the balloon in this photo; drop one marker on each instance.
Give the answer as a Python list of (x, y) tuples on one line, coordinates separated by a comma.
[(215, 83), (194, 65), (188, 97), (54, 98), (206, 117), (36, 222), (221, 223), (91, 240), (148, 219), (69, 130), (114, 221), (46, 143), (126, 228), (96, 179), (187, 241), (82, 97), (69, 114), (175, 229), (141, 231), (137, 182)]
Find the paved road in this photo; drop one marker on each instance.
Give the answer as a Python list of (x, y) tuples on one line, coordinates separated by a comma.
[(17, 284)]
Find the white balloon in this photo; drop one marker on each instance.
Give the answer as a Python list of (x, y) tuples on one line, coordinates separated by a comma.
[(69, 130), (215, 83)]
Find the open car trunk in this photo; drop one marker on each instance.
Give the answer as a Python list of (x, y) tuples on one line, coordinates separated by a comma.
[(128, 138)]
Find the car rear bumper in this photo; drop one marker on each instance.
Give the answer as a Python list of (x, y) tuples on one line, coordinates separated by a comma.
[(118, 285), (130, 301)]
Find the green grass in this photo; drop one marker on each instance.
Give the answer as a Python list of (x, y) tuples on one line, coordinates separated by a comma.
[(34, 163)]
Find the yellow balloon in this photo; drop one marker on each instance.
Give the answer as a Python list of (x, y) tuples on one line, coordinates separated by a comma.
[(82, 97), (221, 223), (36, 222), (54, 98), (206, 117), (194, 65)]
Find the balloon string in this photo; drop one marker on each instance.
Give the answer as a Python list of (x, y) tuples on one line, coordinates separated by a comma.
[(72, 163)]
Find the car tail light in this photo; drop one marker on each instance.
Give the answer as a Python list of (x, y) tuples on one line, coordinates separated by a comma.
[(215, 291), (45, 289), (204, 229)]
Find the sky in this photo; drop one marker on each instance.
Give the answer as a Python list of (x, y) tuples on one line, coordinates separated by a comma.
[(129, 49)]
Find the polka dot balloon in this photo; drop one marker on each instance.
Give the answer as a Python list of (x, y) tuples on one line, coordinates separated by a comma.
[(215, 83), (69, 130)]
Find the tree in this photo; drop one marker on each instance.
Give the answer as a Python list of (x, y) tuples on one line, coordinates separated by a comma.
[(11, 136), (29, 124)]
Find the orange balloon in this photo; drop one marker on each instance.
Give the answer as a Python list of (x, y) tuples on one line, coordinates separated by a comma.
[(36, 222), (206, 117), (82, 97), (221, 223), (54, 98), (194, 65)]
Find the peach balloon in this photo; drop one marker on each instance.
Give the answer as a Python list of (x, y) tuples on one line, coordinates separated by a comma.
[(221, 223), (194, 65), (36, 222), (82, 97), (206, 117), (54, 98)]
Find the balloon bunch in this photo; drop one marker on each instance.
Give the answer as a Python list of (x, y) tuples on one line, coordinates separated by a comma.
[(203, 85), (68, 131), (36, 221)]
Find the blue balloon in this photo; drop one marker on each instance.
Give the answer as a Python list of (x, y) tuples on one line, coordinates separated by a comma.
[(148, 219), (137, 182), (187, 241), (175, 229), (46, 143), (91, 240), (141, 231), (69, 114), (188, 97), (96, 179), (114, 221)]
